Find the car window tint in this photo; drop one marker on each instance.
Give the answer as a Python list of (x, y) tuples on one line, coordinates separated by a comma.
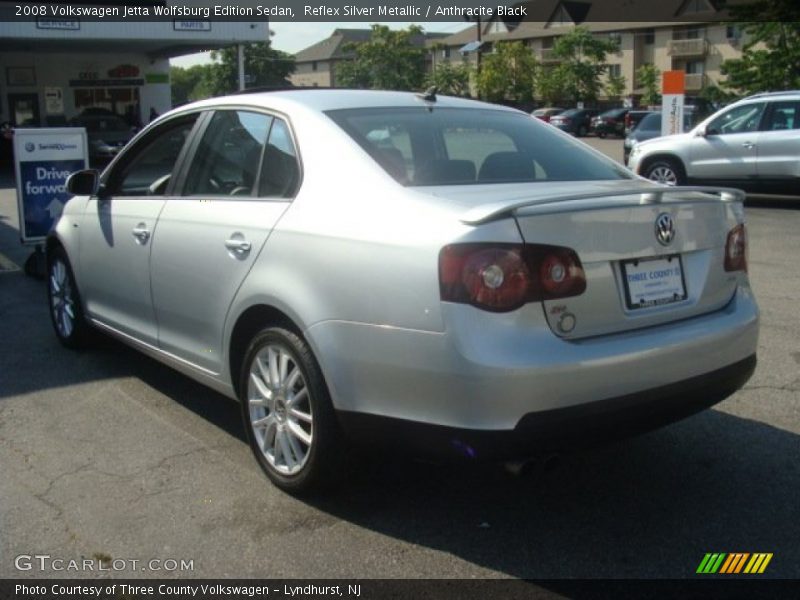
[(740, 119), (784, 116), (228, 156), (280, 173), (147, 168), (470, 146)]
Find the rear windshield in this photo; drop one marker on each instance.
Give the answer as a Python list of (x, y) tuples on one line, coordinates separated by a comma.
[(467, 146), (651, 122)]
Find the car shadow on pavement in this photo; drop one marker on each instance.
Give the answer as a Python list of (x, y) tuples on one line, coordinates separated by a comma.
[(647, 507), (650, 506)]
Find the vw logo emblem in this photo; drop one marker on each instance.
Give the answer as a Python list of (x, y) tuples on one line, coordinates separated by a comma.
[(29, 146), (665, 229)]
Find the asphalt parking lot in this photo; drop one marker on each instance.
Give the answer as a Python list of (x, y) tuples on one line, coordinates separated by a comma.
[(108, 454)]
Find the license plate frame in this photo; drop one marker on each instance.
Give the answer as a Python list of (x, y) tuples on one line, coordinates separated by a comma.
[(639, 273)]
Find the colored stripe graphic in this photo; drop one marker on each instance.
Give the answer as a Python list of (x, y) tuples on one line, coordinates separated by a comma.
[(733, 563), (711, 563), (758, 563)]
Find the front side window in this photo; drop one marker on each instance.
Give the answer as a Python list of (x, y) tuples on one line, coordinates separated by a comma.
[(146, 169), (228, 158), (740, 119), (448, 146)]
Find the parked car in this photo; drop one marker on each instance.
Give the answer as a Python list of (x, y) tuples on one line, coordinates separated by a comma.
[(633, 117), (754, 142), (463, 280), (576, 121), (545, 114), (647, 128), (106, 133), (611, 122)]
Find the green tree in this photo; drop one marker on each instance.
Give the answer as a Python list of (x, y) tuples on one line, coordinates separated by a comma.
[(390, 60), (450, 79), (771, 53), (615, 86), (189, 84), (583, 62), (647, 78), (263, 65), (508, 73), (549, 86)]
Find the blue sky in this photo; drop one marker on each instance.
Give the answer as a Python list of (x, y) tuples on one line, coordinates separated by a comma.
[(291, 37)]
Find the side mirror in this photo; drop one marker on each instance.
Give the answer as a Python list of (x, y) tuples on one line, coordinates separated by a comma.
[(83, 183), (701, 132)]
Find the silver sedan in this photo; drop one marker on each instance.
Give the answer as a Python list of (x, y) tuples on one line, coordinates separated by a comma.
[(420, 272)]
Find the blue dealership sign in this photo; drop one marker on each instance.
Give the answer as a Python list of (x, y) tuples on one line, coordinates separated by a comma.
[(44, 158)]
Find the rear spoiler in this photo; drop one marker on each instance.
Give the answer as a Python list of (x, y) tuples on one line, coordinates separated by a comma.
[(588, 201)]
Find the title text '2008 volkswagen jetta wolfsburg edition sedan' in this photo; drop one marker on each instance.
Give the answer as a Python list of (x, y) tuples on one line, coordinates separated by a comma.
[(425, 272)]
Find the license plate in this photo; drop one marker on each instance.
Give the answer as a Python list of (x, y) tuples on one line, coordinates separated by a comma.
[(653, 281)]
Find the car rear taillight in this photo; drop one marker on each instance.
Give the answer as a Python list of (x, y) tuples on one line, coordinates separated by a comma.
[(736, 249), (503, 277)]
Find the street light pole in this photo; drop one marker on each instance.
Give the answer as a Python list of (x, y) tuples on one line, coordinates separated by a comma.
[(240, 49)]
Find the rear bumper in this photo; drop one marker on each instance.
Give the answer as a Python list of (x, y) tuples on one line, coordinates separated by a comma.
[(556, 430)]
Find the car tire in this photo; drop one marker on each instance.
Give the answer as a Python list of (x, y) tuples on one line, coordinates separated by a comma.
[(665, 170), (288, 414), (601, 135), (66, 308)]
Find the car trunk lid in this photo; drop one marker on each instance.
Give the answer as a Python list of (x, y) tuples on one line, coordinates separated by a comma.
[(633, 280)]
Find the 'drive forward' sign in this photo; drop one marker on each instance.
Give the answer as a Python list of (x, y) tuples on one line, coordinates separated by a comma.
[(44, 158)]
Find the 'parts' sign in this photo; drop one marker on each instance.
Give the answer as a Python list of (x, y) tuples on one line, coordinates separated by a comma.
[(43, 159)]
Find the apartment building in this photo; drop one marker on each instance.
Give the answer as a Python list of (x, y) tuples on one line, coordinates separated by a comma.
[(689, 35), (316, 65)]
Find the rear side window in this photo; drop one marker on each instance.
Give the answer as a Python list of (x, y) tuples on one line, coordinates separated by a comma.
[(455, 146), (783, 116), (228, 158), (280, 174)]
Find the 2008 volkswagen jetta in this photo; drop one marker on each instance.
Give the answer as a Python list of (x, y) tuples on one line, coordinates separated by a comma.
[(406, 269)]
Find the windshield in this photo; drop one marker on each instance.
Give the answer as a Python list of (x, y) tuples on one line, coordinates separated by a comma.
[(447, 146)]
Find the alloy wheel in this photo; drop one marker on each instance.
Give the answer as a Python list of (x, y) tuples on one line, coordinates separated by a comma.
[(279, 405), (663, 174), (62, 298)]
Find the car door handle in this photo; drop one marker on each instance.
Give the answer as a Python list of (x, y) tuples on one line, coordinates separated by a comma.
[(238, 246), (749, 145), (141, 233)]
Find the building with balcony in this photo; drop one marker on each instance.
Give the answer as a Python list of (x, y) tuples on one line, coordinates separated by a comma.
[(316, 66), (688, 35)]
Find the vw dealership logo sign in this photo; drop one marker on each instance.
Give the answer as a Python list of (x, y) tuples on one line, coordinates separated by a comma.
[(665, 229), (30, 146)]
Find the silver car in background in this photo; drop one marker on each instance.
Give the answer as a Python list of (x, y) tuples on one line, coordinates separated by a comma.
[(752, 143), (420, 272)]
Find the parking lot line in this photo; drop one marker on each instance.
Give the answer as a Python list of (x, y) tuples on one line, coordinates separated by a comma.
[(6, 264)]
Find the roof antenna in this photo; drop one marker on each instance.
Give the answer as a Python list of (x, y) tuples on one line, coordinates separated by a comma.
[(429, 95)]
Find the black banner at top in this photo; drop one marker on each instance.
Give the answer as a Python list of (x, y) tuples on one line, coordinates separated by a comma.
[(554, 12)]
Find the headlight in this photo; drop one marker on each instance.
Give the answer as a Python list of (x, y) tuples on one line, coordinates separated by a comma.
[(636, 149)]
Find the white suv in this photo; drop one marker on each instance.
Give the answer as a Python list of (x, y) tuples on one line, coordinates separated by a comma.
[(754, 141)]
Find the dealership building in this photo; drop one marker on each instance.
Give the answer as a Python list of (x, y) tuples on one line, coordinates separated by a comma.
[(53, 70)]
